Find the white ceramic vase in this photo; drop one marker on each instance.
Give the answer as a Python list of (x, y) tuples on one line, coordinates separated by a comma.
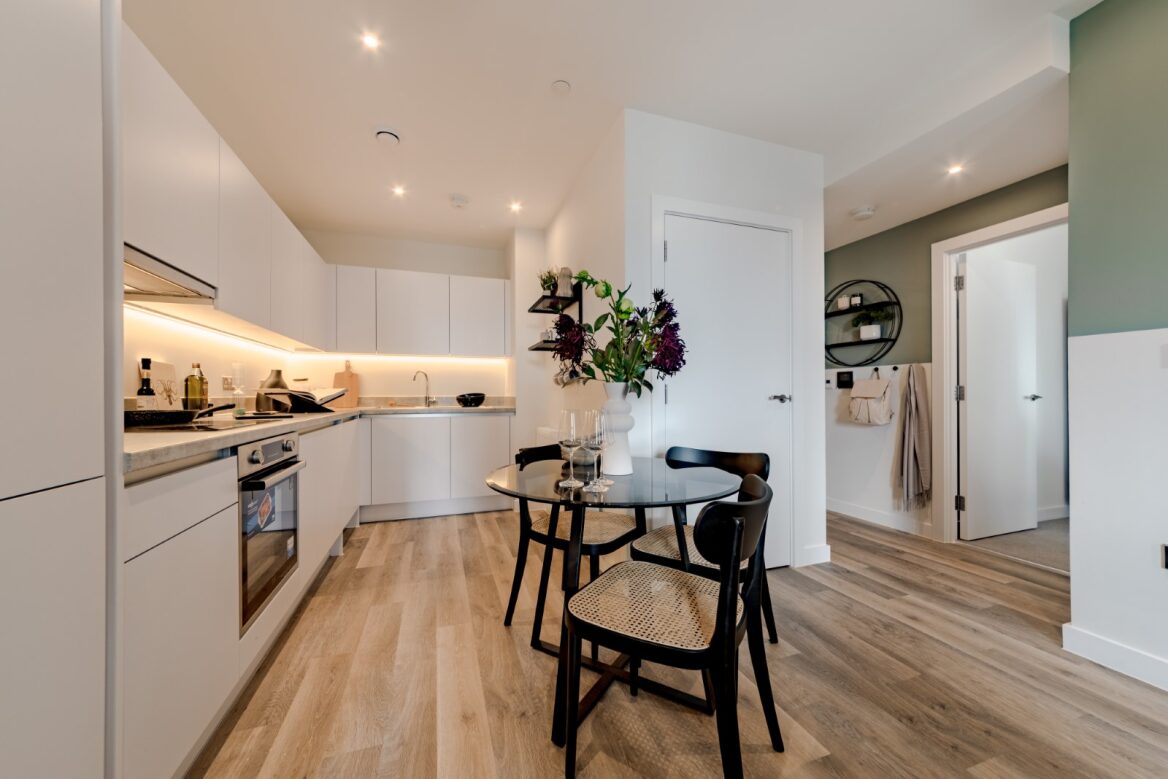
[(617, 460)]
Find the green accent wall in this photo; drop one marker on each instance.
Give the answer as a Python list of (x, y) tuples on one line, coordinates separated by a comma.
[(1118, 274), (900, 257)]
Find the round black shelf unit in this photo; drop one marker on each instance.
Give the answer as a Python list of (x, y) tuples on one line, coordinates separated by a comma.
[(854, 353)]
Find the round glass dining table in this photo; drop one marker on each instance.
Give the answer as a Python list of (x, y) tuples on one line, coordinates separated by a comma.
[(652, 484)]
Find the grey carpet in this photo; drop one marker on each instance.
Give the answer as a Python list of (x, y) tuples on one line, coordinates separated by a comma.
[(1049, 544)]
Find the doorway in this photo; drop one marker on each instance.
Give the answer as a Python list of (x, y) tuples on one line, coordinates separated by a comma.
[(1003, 429), (732, 282)]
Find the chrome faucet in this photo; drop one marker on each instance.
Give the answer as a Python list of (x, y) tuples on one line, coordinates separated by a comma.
[(429, 401)]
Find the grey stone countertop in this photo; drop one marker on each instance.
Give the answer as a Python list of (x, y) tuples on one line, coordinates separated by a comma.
[(146, 449)]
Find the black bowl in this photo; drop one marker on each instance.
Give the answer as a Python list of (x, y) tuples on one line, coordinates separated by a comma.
[(471, 399)]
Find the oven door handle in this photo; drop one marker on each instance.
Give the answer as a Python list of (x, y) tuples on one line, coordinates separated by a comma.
[(272, 479)]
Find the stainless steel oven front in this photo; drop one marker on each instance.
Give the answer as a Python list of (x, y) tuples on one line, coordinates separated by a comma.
[(269, 504)]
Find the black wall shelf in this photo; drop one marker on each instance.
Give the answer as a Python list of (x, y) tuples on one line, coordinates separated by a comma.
[(878, 297), (557, 304)]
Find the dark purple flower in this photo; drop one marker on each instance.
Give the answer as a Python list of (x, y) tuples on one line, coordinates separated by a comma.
[(571, 341), (668, 350), (664, 310)]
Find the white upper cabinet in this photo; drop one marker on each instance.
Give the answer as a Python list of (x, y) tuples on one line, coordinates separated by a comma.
[(289, 277), (245, 242), (477, 309), (170, 168), (319, 300), (356, 309), (51, 223), (413, 312)]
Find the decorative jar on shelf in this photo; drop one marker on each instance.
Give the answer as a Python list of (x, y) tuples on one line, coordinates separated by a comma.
[(564, 283), (869, 332)]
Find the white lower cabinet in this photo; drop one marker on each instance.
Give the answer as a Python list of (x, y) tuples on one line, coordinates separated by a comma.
[(478, 445), (410, 459), (180, 637), (328, 489), (52, 651)]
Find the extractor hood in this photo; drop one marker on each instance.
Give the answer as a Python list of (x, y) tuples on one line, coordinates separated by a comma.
[(150, 280)]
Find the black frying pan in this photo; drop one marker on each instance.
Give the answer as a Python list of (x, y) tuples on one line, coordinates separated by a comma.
[(170, 416)]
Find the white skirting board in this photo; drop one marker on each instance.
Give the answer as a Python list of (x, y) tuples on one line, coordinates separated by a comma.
[(434, 508), (1133, 662)]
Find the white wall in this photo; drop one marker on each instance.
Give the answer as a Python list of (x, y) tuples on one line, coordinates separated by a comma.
[(1118, 416), (588, 233), (670, 158), (379, 251), (180, 343), (862, 460), (1046, 250), (537, 399)]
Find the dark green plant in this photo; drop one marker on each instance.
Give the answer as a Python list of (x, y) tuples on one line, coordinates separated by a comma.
[(873, 317), (547, 280)]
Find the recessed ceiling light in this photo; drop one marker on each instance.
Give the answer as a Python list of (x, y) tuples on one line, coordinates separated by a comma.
[(955, 169), (399, 190), (370, 41), (387, 134), (516, 206)]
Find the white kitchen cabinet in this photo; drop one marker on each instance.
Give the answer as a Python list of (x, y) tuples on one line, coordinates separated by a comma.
[(410, 458), (319, 301), (413, 312), (52, 607), (51, 223), (328, 488), (477, 307), (170, 167), (245, 242), (289, 277), (478, 445), (356, 309), (179, 641), (364, 464)]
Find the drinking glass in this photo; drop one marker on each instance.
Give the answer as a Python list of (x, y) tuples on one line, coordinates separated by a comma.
[(604, 428), (594, 442), (571, 438)]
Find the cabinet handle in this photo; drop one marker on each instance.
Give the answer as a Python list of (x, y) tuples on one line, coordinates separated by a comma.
[(780, 398)]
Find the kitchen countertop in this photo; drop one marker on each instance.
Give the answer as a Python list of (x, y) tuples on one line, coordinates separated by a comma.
[(151, 449)]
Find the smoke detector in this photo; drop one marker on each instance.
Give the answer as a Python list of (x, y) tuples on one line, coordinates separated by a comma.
[(387, 135), (863, 213), (459, 201), (561, 86)]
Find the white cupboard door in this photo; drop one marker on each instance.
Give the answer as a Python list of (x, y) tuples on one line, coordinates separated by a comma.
[(52, 607), (411, 459), (478, 445), (51, 223), (356, 309), (179, 641), (413, 312), (477, 311), (320, 301), (170, 168), (364, 465), (290, 277), (245, 242), (328, 488)]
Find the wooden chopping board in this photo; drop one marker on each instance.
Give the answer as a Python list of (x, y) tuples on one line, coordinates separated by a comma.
[(350, 381)]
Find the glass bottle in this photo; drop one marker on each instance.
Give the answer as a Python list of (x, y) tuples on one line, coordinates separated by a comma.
[(195, 389), (146, 397)]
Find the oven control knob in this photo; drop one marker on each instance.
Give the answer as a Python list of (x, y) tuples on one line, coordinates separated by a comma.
[(289, 445), (256, 457)]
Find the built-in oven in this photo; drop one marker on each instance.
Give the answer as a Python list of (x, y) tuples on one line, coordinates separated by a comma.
[(269, 502)]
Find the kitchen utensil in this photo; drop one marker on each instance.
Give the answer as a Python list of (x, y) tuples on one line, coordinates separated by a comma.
[(471, 399), (170, 416), (349, 381)]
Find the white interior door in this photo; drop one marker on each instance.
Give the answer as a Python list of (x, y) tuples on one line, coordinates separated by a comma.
[(997, 365), (732, 286)]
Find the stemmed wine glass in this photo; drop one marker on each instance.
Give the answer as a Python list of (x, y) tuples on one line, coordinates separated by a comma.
[(595, 442), (571, 438)]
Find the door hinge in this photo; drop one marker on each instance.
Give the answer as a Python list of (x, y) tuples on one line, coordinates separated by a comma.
[(959, 392), (959, 502), (667, 394), (666, 251), (958, 283)]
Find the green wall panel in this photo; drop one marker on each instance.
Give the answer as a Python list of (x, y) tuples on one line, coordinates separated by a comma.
[(1118, 272), (900, 257)]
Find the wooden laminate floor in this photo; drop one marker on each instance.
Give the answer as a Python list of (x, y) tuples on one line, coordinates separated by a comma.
[(902, 657)]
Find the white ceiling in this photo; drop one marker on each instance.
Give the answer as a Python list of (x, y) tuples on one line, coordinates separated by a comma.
[(879, 88)]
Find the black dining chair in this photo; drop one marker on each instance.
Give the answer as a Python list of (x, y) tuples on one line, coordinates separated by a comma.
[(673, 545), (604, 532), (684, 620)]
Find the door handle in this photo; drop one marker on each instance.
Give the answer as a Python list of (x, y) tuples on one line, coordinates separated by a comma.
[(780, 398), (1034, 397)]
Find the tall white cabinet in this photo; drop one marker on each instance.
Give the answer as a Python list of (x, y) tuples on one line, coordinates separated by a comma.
[(413, 312), (356, 309), (245, 242), (477, 314)]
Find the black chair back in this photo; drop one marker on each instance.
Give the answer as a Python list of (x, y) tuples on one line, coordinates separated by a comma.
[(737, 463), (535, 454)]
